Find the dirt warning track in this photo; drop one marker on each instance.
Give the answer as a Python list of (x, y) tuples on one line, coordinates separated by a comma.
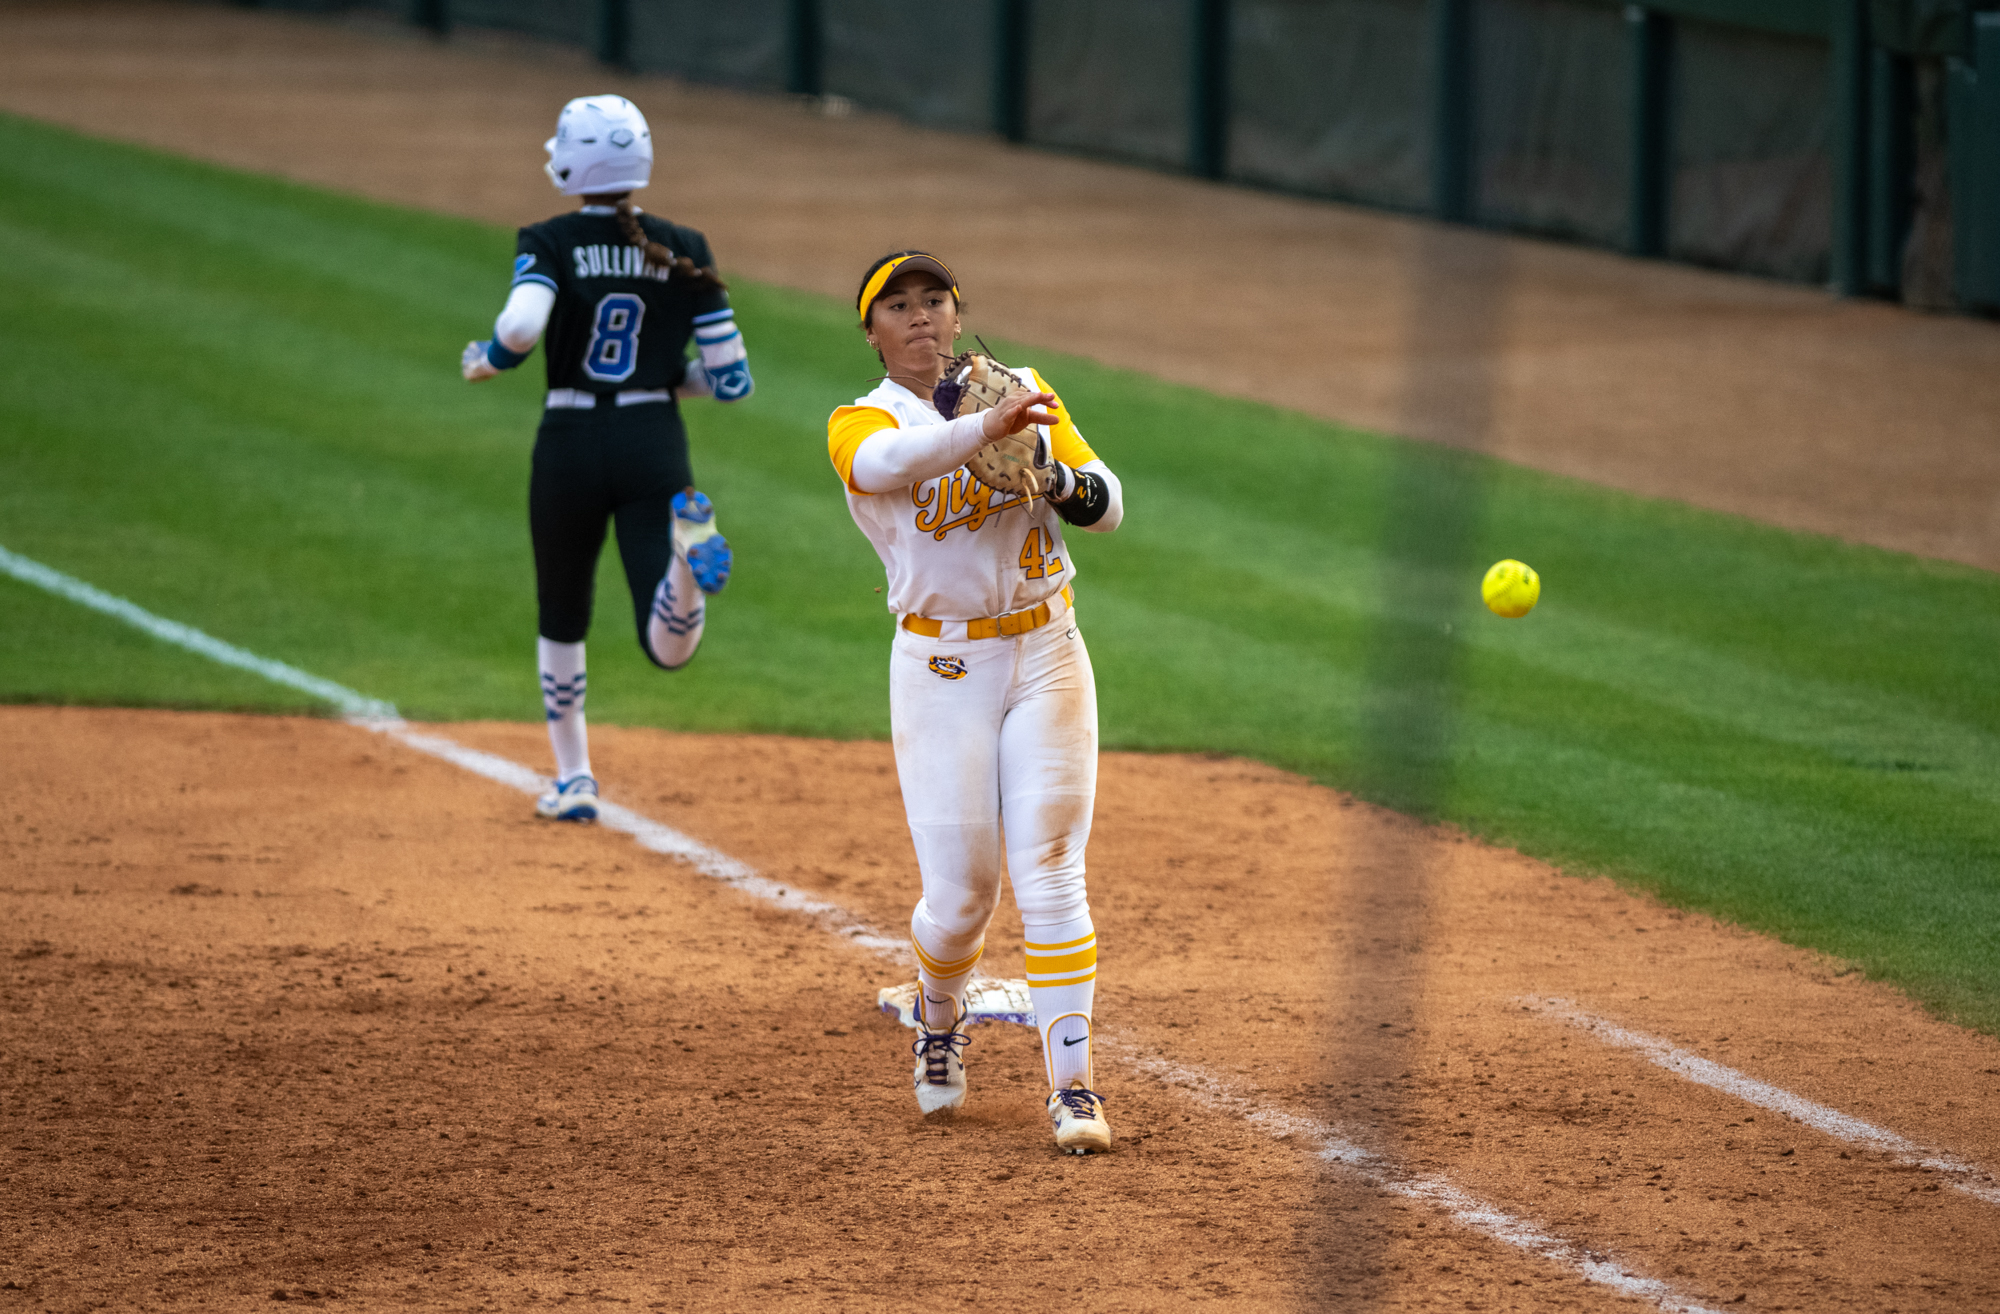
[(292, 1007)]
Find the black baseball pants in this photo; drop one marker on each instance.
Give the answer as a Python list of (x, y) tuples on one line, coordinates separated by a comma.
[(621, 464)]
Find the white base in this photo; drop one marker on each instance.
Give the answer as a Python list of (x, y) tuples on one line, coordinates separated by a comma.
[(986, 1000)]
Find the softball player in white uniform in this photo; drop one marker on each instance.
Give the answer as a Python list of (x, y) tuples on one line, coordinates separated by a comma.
[(991, 697)]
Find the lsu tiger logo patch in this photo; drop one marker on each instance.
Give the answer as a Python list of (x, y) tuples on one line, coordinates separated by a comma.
[(951, 668)]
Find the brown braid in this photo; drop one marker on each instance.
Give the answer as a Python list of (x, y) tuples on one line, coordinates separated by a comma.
[(676, 266)]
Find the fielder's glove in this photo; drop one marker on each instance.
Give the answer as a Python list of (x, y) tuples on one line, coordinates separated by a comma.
[(1012, 463)]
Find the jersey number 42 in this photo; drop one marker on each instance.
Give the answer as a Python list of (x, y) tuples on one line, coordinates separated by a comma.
[(614, 338), (1038, 554)]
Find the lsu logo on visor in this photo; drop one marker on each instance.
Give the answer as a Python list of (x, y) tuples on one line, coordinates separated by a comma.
[(951, 668)]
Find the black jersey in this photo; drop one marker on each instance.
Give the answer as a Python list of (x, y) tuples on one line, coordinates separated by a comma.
[(618, 322)]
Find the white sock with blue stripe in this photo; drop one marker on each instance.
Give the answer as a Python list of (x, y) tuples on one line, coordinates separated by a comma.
[(563, 686), (673, 631)]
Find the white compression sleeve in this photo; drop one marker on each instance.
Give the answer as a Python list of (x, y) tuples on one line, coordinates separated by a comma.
[(524, 317), (896, 458)]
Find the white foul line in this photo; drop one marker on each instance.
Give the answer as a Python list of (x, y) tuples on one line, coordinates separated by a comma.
[(346, 700), (1385, 1174), (381, 718), (1964, 1176), (653, 836)]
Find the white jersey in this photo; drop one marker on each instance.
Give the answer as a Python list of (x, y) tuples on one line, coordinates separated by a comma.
[(954, 549)]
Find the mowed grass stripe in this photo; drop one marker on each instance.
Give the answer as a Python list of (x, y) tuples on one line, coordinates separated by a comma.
[(235, 401)]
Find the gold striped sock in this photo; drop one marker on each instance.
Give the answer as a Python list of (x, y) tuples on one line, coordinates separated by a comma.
[(944, 970), (1071, 962)]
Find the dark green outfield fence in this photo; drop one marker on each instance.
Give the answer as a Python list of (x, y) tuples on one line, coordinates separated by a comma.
[(1849, 142)]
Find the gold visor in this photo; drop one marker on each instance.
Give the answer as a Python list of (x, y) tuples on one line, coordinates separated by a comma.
[(902, 265)]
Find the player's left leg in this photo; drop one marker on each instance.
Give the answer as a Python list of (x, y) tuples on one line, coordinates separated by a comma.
[(657, 524), (671, 631), (699, 566), (1048, 787)]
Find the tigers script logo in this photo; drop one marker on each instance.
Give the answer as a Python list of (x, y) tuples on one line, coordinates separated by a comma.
[(956, 501), (951, 668)]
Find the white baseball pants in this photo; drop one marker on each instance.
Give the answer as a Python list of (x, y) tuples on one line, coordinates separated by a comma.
[(996, 749)]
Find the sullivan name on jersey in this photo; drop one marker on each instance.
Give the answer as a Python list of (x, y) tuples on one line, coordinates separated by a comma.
[(619, 323)]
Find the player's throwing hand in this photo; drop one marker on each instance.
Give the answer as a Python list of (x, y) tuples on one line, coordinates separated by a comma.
[(1018, 412)]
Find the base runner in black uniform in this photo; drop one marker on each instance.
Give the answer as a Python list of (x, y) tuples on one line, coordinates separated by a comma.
[(621, 294)]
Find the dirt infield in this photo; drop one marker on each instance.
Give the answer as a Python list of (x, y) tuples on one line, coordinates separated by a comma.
[(290, 1012), (292, 1008), (1773, 401)]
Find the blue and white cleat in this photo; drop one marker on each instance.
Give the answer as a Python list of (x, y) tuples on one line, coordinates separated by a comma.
[(1078, 1115), (574, 799), (698, 540)]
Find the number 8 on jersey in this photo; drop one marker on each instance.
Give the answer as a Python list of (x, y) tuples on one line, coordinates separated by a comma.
[(614, 338)]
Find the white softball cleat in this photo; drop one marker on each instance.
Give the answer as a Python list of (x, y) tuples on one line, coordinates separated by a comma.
[(1078, 1115), (570, 800), (940, 1075)]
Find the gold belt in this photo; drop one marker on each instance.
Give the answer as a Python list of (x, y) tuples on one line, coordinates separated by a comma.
[(992, 627)]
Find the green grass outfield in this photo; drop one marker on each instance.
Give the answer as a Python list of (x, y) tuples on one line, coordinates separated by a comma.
[(235, 401)]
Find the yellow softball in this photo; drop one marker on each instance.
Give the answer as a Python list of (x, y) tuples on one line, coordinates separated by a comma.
[(1511, 588)]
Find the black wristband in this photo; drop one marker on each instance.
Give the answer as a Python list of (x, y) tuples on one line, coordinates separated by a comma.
[(1088, 503)]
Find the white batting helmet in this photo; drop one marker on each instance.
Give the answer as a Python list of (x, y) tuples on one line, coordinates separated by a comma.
[(601, 145)]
